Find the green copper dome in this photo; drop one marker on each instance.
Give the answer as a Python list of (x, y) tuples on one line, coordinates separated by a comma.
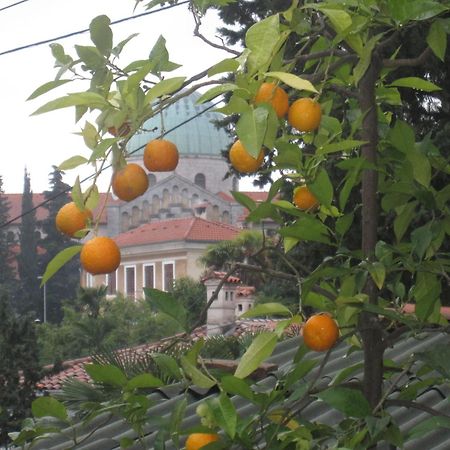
[(196, 137)]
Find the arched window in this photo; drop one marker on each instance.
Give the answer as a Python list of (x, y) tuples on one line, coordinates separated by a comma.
[(235, 184), (145, 211), (135, 216), (215, 215), (165, 198), (156, 204), (125, 222), (176, 195), (185, 197), (151, 179), (200, 180), (226, 217)]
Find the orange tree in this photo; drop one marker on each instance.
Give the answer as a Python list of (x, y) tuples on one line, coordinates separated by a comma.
[(344, 56)]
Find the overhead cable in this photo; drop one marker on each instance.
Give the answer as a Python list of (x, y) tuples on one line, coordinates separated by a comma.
[(75, 33), (65, 191)]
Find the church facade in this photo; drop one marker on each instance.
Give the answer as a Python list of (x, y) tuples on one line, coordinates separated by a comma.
[(163, 233)]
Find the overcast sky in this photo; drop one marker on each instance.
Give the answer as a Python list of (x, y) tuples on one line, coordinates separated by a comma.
[(38, 142)]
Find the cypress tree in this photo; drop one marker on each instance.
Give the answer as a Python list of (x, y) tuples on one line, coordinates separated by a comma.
[(64, 284), (30, 299), (8, 280)]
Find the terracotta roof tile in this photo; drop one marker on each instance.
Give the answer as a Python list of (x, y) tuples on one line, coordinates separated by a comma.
[(75, 368), (214, 274), (183, 229), (15, 211)]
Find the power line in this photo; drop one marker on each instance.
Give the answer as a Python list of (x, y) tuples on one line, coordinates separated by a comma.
[(65, 191), (75, 33), (13, 4)]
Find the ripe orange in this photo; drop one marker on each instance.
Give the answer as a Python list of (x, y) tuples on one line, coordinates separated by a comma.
[(276, 96), (100, 255), (320, 332), (304, 199), (242, 161), (305, 114), (199, 440), (122, 131), (70, 219), (129, 182), (160, 155)]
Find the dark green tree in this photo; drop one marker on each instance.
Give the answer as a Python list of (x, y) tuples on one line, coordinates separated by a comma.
[(8, 281), (192, 295), (19, 368), (30, 295), (64, 284)]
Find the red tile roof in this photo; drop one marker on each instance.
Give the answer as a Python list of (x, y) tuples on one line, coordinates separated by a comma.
[(183, 229), (75, 368), (214, 274), (15, 211), (257, 196)]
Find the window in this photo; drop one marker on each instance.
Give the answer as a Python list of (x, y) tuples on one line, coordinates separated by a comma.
[(231, 296), (89, 280), (240, 307), (149, 275), (168, 276), (130, 281), (111, 286), (200, 180), (151, 179)]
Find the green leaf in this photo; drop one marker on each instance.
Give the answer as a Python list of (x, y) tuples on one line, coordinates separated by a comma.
[(293, 80), (91, 197), (349, 401), (72, 162), (117, 50), (90, 135), (216, 91), (322, 188), (421, 239), (164, 87), (237, 386), (421, 166), (226, 65), (307, 229), (267, 309), (365, 59), (90, 99), (251, 129), (91, 57), (344, 223), (168, 365), (48, 407), (46, 87), (403, 11), (437, 39), (106, 374), (340, 146), (101, 34), (260, 349), (426, 292), (144, 380), (416, 83), (262, 38), (167, 304), (405, 213), (377, 272), (196, 376), (244, 200), (224, 413), (160, 56), (59, 260)]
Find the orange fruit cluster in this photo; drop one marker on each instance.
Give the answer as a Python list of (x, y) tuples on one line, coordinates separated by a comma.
[(320, 332), (196, 441), (101, 255)]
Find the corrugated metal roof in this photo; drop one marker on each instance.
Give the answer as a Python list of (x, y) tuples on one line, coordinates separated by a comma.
[(112, 429)]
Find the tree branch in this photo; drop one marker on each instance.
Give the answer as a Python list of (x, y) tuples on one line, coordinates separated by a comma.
[(207, 41), (415, 405), (408, 62)]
